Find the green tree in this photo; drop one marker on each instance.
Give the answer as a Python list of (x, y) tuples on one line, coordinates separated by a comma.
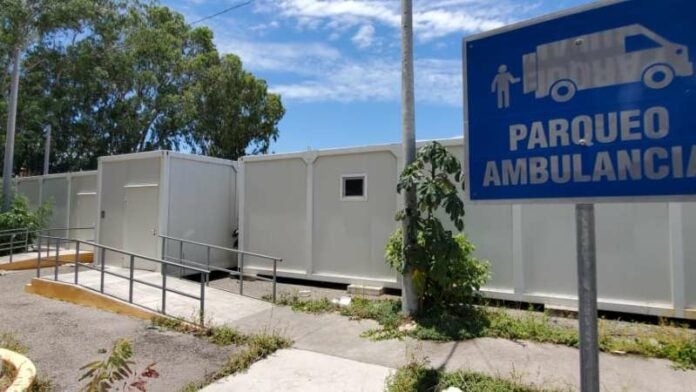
[(445, 273), (135, 77)]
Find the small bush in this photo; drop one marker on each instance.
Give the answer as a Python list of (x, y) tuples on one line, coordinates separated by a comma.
[(20, 216)]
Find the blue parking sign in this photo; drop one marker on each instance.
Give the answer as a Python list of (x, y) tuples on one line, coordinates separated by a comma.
[(593, 103)]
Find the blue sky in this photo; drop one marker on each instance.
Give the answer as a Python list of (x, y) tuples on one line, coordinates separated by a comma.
[(336, 63)]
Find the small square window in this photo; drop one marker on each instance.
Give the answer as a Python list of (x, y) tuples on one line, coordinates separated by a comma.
[(353, 187)]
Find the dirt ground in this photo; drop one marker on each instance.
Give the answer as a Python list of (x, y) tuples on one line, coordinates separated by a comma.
[(62, 337)]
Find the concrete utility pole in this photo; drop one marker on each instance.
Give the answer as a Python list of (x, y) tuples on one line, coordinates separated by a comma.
[(409, 301), (47, 149), (11, 123)]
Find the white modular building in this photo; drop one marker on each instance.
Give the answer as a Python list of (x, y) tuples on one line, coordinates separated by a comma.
[(73, 197), (329, 213), (143, 195)]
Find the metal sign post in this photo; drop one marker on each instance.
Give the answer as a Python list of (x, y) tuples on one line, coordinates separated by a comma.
[(583, 106), (587, 298)]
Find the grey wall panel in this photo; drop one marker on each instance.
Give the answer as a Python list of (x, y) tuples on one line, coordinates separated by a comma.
[(633, 257), (31, 189), (83, 205), (548, 249), (201, 197), (350, 235), (55, 192), (275, 212)]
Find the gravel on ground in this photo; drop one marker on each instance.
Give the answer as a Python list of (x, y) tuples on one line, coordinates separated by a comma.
[(62, 337)]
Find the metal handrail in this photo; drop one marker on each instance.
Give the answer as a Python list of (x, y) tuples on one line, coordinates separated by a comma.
[(102, 249), (221, 248), (26, 233), (231, 272)]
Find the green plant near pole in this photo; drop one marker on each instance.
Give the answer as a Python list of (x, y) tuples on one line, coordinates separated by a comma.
[(444, 271)]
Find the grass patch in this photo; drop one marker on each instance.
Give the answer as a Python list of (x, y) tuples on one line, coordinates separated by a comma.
[(257, 347), (10, 342), (41, 384), (220, 335), (416, 377), (672, 342)]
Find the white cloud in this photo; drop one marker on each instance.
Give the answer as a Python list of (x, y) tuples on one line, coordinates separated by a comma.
[(437, 81), (364, 37), (431, 18), (299, 58)]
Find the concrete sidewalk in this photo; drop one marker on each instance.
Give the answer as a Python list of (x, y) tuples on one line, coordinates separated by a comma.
[(542, 365), (332, 335), (305, 371)]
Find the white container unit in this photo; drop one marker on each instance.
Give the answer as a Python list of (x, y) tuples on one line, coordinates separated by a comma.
[(327, 214), (73, 197), (143, 195), (295, 206)]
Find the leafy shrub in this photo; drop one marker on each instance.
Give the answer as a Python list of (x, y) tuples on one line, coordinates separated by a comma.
[(450, 277), (441, 265), (20, 216)]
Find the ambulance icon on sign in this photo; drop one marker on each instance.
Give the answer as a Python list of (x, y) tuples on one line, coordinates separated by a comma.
[(611, 57)]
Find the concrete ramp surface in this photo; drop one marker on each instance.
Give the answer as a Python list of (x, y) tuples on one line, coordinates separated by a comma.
[(221, 307)]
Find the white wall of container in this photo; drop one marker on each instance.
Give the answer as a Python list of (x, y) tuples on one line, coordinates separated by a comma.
[(146, 194), (72, 195), (291, 206)]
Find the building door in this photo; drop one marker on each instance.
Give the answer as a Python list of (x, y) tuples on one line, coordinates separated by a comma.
[(141, 206)]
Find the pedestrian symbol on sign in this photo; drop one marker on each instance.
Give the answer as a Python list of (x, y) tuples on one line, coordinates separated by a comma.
[(501, 85)]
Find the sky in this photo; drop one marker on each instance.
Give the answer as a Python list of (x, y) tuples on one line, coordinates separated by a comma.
[(336, 63)]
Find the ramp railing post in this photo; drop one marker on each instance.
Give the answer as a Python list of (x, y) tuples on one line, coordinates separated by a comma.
[(77, 260), (11, 246), (241, 274), (164, 248), (181, 258), (203, 280), (26, 239), (207, 276), (164, 288), (38, 258), (55, 267), (275, 265), (130, 281), (103, 263)]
